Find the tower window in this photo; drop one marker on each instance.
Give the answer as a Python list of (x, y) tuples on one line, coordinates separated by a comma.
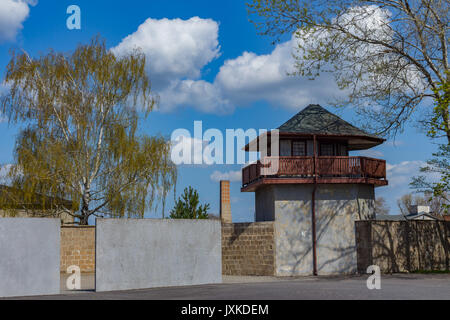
[(326, 149), (285, 148), (299, 148)]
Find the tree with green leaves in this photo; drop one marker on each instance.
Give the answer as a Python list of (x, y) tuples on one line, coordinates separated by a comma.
[(437, 190), (390, 56), (80, 139), (187, 206)]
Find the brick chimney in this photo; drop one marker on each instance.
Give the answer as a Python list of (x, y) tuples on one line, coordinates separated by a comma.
[(225, 206)]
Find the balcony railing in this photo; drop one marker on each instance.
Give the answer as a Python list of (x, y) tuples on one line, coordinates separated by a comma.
[(326, 167)]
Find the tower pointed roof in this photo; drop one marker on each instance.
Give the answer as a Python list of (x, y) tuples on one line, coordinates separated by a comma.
[(314, 120)]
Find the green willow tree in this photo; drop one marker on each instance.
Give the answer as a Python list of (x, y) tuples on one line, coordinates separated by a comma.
[(187, 206), (390, 56), (81, 141)]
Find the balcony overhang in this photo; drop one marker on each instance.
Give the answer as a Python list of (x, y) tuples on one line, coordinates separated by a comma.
[(355, 142), (251, 187), (314, 170)]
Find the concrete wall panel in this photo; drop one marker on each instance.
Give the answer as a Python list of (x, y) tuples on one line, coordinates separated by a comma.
[(264, 204), (29, 256), (337, 207), (146, 253)]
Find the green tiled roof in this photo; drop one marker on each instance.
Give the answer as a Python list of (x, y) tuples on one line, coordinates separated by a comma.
[(315, 119)]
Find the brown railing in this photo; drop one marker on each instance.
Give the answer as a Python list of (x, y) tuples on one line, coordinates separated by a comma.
[(345, 167), (341, 166)]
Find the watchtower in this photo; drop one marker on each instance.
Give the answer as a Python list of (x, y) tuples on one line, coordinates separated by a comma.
[(317, 191)]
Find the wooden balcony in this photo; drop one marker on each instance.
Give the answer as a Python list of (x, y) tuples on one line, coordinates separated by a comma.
[(303, 170)]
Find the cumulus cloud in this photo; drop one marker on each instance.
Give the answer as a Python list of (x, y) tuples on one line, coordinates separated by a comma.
[(178, 50), (12, 15), (198, 94), (251, 77), (188, 150), (4, 170), (174, 49), (233, 176), (400, 174)]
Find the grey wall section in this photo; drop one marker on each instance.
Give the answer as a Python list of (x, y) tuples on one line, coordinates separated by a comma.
[(29, 256), (293, 238), (337, 207), (264, 204), (146, 253)]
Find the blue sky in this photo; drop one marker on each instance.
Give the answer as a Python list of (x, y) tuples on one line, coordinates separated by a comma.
[(208, 64)]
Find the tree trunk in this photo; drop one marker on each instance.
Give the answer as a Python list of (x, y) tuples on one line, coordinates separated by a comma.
[(85, 210), (84, 216)]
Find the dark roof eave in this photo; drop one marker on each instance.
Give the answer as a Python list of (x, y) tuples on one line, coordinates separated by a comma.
[(296, 134), (368, 137)]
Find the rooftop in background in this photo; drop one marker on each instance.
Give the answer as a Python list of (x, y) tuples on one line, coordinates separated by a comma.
[(400, 217), (12, 198)]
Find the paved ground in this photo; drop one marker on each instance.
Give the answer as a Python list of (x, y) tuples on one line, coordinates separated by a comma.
[(400, 286)]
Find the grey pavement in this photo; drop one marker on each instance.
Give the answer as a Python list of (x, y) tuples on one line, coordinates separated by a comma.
[(393, 287)]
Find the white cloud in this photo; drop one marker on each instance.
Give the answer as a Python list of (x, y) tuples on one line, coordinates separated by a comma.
[(399, 175), (199, 94), (252, 77), (193, 146), (367, 20), (3, 90), (12, 15), (233, 176), (4, 179), (371, 153), (175, 49), (394, 143)]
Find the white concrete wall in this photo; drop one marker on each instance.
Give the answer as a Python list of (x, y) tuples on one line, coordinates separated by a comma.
[(337, 208), (63, 216), (29, 256), (146, 253)]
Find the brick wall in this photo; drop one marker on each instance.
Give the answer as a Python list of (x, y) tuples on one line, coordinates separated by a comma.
[(225, 204), (248, 249), (401, 246), (78, 247)]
